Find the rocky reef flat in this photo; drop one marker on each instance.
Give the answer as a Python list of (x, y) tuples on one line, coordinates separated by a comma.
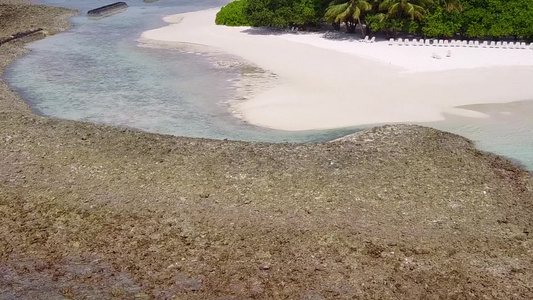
[(394, 212)]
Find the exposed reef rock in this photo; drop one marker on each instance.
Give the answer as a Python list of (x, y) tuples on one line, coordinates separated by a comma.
[(108, 10), (19, 35), (393, 212)]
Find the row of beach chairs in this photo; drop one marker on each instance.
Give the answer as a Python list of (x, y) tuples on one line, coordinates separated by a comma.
[(368, 39), (459, 43)]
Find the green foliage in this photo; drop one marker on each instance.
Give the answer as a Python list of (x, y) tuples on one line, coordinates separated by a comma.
[(389, 26), (441, 23), (433, 18), (282, 13), (522, 23), (483, 19), (233, 14), (412, 26), (375, 21)]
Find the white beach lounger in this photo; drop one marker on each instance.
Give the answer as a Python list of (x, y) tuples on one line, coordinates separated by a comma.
[(421, 42), (446, 43), (436, 56), (470, 43), (464, 43), (531, 46), (511, 45), (441, 43), (523, 45), (505, 45), (449, 53), (498, 44), (492, 44), (400, 42), (427, 42), (485, 44), (476, 44), (373, 39), (391, 42), (367, 38)]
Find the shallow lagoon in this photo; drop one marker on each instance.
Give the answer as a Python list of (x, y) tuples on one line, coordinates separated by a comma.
[(96, 72)]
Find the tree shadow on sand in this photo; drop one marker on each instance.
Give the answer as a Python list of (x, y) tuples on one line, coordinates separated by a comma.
[(326, 34)]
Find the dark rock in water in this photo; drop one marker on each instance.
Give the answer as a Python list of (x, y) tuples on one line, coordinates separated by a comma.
[(108, 9), (19, 35)]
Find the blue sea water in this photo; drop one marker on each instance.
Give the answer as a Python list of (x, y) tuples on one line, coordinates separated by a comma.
[(97, 72)]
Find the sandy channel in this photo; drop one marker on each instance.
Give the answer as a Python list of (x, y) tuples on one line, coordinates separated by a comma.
[(328, 83)]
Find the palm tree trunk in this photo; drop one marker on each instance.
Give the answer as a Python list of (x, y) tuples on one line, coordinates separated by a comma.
[(350, 26), (361, 26)]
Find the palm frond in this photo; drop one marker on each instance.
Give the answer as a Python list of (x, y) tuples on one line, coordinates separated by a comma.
[(334, 11), (356, 13), (393, 10), (364, 5), (343, 16), (410, 10), (386, 4)]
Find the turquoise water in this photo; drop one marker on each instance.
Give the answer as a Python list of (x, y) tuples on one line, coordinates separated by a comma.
[(97, 72), (507, 131)]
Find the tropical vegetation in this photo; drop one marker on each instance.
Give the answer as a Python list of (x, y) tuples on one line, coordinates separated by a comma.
[(233, 14), (431, 18)]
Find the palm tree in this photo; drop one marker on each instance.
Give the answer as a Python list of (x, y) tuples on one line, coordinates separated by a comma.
[(415, 9), (348, 12)]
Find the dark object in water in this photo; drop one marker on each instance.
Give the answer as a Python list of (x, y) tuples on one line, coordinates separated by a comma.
[(150, 1), (108, 9), (19, 35)]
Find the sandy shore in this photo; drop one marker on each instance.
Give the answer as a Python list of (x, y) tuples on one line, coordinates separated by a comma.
[(337, 83)]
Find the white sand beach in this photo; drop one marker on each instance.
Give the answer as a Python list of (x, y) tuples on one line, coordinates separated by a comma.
[(327, 83)]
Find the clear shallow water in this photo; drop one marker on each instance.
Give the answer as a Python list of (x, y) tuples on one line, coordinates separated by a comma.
[(507, 131), (96, 72)]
